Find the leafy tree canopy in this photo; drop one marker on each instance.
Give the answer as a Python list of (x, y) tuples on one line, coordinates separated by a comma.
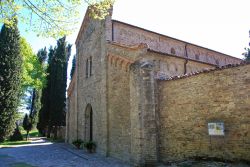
[(50, 18), (33, 74)]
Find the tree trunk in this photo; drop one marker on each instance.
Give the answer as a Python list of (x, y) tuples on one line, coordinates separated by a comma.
[(48, 132), (27, 135), (55, 132)]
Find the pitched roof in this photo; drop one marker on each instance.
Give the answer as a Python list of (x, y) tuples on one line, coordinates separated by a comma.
[(180, 57), (243, 63)]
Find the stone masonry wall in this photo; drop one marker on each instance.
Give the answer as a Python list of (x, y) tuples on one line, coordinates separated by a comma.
[(91, 90), (71, 123), (118, 112), (131, 35), (144, 143), (187, 105)]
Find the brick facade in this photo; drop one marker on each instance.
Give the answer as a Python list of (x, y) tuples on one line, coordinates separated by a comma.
[(117, 78), (189, 104)]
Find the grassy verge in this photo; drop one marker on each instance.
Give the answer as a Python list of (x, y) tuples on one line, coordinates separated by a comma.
[(7, 143), (32, 133), (12, 143)]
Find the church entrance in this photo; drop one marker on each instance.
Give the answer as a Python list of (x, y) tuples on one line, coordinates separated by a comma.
[(89, 123)]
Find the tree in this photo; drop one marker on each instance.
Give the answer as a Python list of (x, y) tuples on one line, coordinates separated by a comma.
[(17, 136), (43, 119), (58, 84), (50, 17), (42, 55), (73, 67), (33, 73), (33, 79), (247, 52), (10, 78), (53, 100), (35, 106), (27, 125), (36, 91)]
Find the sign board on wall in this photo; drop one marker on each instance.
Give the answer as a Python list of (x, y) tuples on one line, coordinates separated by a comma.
[(216, 129)]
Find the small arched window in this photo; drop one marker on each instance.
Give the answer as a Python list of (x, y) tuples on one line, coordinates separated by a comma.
[(90, 66), (89, 71), (87, 68), (173, 51), (217, 62), (197, 57)]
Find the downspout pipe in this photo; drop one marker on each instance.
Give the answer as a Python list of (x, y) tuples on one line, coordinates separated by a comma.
[(77, 100), (112, 35), (186, 60)]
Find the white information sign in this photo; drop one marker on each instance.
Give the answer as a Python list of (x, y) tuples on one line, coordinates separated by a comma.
[(216, 128)]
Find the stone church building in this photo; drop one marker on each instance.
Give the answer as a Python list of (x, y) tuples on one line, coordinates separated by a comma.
[(144, 97)]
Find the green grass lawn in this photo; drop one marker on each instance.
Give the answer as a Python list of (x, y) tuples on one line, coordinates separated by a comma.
[(32, 133), (7, 143), (12, 143)]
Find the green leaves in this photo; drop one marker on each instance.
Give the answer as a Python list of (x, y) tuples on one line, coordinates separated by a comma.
[(33, 74), (99, 9), (8, 10), (10, 82), (50, 18)]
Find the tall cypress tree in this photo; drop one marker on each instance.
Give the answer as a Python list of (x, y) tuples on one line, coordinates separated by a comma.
[(44, 113), (42, 55), (27, 125), (73, 67), (52, 113), (58, 85), (35, 105), (10, 78)]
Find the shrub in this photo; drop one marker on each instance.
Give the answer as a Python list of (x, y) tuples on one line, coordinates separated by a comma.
[(17, 136), (90, 146), (78, 143)]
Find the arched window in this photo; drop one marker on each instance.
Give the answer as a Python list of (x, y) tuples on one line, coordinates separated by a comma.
[(87, 68), (90, 66), (217, 62), (89, 123), (173, 51), (197, 57)]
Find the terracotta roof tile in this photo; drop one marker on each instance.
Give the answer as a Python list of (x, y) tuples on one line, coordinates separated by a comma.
[(205, 71)]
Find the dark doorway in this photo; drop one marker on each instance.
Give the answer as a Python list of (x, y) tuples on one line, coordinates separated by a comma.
[(89, 123)]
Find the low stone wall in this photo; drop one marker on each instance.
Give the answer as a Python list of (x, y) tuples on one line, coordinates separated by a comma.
[(61, 132), (187, 106)]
